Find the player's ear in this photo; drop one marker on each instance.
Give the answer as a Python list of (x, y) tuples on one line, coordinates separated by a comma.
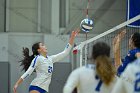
[(39, 50)]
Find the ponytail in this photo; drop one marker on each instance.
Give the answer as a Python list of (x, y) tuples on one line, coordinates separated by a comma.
[(26, 59), (105, 69)]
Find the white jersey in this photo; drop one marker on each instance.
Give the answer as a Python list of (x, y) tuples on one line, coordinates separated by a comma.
[(86, 81), (44, 67), (129, 82)]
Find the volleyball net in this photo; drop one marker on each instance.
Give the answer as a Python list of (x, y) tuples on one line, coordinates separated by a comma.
[(85, 48)]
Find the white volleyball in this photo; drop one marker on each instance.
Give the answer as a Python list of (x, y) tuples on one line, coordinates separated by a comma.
[(86, 25)]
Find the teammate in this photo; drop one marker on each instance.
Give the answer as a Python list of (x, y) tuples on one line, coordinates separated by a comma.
[(42, 65), (134, 53), (98, 77), (129, 82)]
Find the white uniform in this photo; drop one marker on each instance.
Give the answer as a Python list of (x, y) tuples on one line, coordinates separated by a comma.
[(44, 67), (86, 81), (129, 82)]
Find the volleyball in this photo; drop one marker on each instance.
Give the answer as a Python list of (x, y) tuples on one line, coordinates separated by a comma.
[(86, 25)]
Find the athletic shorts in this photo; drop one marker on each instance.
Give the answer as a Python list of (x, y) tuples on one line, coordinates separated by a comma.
[(31, 88)]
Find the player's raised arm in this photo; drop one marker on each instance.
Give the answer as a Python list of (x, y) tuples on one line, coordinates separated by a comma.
[(67, 49), (116, 48)]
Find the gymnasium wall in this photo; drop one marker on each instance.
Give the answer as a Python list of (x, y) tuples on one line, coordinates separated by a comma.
[(22, 15), (105, 13), (2, 15)]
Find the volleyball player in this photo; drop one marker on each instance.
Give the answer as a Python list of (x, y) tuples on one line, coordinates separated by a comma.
[(42, 64), (133, 54), (129, 82), (98, 77)]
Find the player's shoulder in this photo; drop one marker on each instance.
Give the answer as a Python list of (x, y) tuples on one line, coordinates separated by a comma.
[(133, 66), (79, 69), (129, 68), (85, 68), (133, 51), (135, 63), (88, 67), (37, 58)]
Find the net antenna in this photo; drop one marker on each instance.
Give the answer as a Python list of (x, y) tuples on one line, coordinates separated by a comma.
[(86, 45)]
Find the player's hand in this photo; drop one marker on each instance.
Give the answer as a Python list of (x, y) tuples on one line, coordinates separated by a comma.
[(119, 37), (73, 35), (15, 88), (75, 32), (117, 40)]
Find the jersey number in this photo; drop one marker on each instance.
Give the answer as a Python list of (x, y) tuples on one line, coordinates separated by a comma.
[(137, 83), (50, 69)]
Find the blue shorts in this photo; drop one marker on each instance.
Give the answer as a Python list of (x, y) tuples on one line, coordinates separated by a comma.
[(31, 88)]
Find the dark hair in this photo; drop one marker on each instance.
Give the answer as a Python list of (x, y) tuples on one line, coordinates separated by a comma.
[(27, 59), (104, 67), (136, 39)]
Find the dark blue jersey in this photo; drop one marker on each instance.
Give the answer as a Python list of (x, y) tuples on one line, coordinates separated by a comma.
[(131, 56)]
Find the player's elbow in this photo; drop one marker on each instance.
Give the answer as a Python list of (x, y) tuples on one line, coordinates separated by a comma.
[(66, 53)]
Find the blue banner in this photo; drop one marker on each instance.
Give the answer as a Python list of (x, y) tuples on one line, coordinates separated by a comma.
[(133, 9)]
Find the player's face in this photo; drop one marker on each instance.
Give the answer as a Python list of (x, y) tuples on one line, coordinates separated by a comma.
[(42, 48)]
